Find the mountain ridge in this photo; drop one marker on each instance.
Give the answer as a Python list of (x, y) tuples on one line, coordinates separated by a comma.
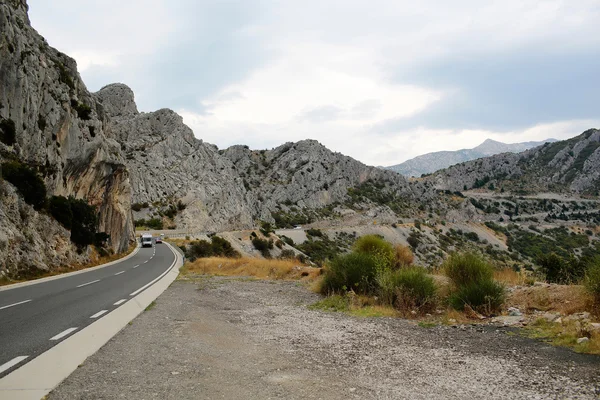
[(431, 162)]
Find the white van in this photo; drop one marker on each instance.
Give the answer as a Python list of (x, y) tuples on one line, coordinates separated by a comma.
[(146, 240)]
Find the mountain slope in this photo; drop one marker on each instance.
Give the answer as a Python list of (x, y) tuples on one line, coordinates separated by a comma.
[(571, 165), (431, 162)]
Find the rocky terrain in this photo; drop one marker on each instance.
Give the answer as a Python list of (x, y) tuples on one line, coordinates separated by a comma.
[(50, 122), (241, 338), (431, 162)]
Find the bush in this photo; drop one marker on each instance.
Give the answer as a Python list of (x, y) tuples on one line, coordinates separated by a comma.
[(60, 208), (136, 206), (85, 222), (413, 240), (221, 247), (288, 254), (8, 132), (467, 268), (485, 297), (314, 232), (199, 249), (266, 228), (560, 270), (263, 246), (376, 247), (354, 271), (403, 256), (415, 290), (27, 182), (154, 223), (592, 280)]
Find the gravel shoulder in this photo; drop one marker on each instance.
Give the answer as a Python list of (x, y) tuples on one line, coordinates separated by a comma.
[(239, 338)]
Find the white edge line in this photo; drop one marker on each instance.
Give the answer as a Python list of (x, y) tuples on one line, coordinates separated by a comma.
[(67, 274), (99, 313), (54, 365), (63, 334), (136, 266), (118, 303), (15, 304), (89, 283), (12, 363), (151, 282), (119, 273)]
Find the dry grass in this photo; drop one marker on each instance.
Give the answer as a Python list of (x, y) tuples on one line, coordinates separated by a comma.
[(511, 277), (95, 260), (404, 256), (566, 299), (259, 268)]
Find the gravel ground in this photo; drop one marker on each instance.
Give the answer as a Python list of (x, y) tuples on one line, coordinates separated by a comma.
[(236, 338)]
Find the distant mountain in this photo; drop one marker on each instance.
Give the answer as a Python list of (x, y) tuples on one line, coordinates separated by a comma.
[(567, 166), (431, 162)]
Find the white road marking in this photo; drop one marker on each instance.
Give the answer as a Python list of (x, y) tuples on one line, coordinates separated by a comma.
[(136, 266), (119, 273), (118, 303), (63, 334), (11, 363), (89, 283), (99, 313), (146, 261), (150, 283), (15, 304)]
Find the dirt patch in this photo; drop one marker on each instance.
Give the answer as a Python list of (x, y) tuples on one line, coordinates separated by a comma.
[(236, 338)]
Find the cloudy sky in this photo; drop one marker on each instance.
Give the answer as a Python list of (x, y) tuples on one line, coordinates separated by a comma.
[(381, 81)]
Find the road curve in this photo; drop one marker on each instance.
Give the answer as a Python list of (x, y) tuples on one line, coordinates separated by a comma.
[(36, 317)]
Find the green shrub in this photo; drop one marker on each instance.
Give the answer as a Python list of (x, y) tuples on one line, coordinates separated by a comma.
[(136, 206), (375, 246), (8, 132), (199, 249), (263, 246), (60, 209), (560, 270), (266, 228), (354, 271), (27, 182), (287, 254), (415, 290), (314, 232), (221, 247), (485, 297), (154, 223), (85, 222), (83, 110), (287, 240), (592, 280), (467, 268)]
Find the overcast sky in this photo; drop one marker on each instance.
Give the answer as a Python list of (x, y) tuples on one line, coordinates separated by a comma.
[(381, 81)]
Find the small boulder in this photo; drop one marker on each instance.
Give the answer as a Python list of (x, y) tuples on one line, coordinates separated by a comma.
[(583, 340), (514, 312)]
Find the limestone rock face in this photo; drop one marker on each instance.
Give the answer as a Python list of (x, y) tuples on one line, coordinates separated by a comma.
[(166, 162), (60, 125)]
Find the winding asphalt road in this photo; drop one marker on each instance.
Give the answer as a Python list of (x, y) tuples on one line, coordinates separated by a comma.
[(34, 318)]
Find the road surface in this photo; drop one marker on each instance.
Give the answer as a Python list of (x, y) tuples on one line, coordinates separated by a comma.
[(34, 318)]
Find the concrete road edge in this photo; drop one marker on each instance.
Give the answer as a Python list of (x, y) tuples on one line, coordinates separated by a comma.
[(37, 378)]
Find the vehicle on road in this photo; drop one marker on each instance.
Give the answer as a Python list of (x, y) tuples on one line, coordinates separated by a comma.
[(146, 240), (158, 239)]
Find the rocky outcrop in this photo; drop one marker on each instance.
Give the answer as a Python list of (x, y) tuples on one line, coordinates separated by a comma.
[(166, 163), (571, 166), (431, 162), (31, 243), (59, 125)]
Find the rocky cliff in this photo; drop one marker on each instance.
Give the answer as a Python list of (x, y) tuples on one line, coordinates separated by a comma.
[(431, 162), (566, 166), (232, 188), (59, 127)]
